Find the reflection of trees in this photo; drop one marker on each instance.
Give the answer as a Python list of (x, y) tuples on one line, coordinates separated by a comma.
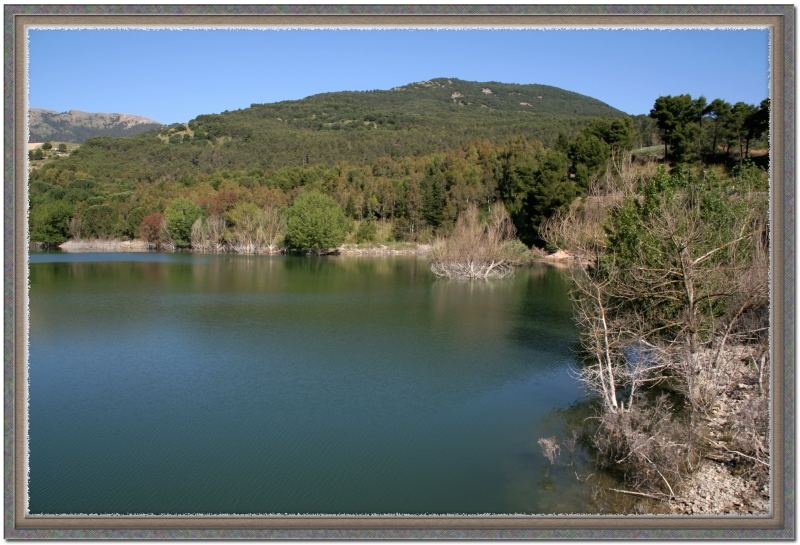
[(235, 273), (471, 310), (57, 276), (543, 311)]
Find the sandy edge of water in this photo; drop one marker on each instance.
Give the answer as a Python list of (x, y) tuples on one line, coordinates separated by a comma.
[(559, 258), (136, 245)]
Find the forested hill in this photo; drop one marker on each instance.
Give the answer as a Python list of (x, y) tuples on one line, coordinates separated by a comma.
[(359, 127), (414, 119), (449, 101), (412, 156)]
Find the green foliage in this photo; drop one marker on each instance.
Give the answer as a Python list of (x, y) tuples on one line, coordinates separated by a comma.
[(535, 186), (678, 119), (49, 222), (355, 127), (618, 134), (99, 221), (588, 154), (750, 177), (416, 159), (691, 127), (366, 232), (133, 222), (243, 214), (179, 216), (315, 222), (62, 147), (433, 194), (47, 146)]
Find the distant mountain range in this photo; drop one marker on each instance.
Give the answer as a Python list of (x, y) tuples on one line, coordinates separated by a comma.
[(77, 126)]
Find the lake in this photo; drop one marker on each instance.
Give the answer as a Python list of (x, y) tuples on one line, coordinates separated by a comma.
[(185, 383)]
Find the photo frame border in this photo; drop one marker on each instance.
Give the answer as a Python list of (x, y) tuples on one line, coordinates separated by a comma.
[(782, 522)]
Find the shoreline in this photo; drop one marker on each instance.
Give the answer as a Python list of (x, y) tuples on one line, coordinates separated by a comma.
[(558, 259), (136, 245)]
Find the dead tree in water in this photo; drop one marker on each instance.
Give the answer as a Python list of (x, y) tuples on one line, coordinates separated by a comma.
[(257, 231), (208, 235), (476, 249)]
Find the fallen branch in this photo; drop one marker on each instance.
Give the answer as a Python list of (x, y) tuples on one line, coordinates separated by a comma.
[(659, 497)]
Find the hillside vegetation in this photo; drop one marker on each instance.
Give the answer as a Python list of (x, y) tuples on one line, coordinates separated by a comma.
[(402, 163)]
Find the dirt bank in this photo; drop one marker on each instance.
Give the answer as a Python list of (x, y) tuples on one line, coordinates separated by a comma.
[(105, 246), (384, 249), (728, 480), (345, 250)]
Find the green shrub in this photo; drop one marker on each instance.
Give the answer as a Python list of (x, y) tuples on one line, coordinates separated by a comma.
[(99, 221), (366, 232), (133, 221), (315, 222), (49, 222), (180, 215)]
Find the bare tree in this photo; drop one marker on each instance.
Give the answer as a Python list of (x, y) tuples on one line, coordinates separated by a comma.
[(75, 227), (208, 234), (477, 249), (684, 307), (258, 232)]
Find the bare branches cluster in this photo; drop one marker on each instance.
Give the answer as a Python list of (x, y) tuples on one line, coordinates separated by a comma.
[(477, 249), (579, 229), (259, 231), (208, 234), (675, 300)]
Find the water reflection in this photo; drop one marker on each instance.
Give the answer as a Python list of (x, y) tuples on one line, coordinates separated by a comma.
[(338, 385)]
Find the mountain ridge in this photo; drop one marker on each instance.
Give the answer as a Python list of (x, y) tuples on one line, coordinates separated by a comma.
[(528, 97), (77, 125)]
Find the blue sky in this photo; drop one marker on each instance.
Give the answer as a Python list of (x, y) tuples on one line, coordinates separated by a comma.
[(173, 76)]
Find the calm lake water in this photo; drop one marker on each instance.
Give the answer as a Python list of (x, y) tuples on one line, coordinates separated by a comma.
[(178, 383)]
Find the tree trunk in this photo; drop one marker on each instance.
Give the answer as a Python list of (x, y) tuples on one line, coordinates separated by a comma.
[(714, 144)]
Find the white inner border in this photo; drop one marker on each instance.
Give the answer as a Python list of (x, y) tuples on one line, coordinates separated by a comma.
[(617, 27)]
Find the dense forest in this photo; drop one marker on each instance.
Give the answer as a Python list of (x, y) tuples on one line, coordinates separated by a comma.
[(410, 160)]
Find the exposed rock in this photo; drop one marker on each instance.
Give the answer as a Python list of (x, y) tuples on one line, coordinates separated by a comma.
[(560, 255), (77, 126), (713, 489)]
